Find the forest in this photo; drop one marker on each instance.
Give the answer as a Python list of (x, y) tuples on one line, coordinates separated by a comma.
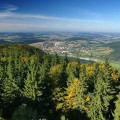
[(37, 86)]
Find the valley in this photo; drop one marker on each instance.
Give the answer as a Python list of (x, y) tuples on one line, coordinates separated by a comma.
[(87, 46)]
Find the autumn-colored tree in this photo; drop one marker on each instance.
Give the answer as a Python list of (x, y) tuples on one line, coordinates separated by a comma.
[(58, 98), (57, 75), (72, 71), (55, 88), (82, 96), (71, 94)]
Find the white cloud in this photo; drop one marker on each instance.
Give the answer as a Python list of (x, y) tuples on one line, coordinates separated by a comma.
[(25, 22), (5, 14), (18, 15), (8, 7), (8, 13)]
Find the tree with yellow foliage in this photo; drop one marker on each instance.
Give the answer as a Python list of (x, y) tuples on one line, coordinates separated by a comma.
[(81, 93), (72, 71), (71, 94)]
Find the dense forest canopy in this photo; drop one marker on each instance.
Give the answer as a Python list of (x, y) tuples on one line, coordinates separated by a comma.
[(36, 86)]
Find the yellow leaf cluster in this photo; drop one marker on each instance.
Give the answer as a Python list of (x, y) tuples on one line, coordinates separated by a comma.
[(23, 58), (71, 93), (101, 67), (85, 108), (58, 98), (88, 99), (59, 106), (115, 77), (81, 66), (75, 64), (3, 59), (90, 70), (54, 69)]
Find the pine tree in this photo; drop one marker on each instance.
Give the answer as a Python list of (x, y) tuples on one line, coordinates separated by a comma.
[(100, 99), (56, 74), (106, 63), (1, 82), (72, 71), (64, 61), (81, 93), (71, 94), (9, 86), (58, 98), (31, 89), (117, 108), (55, 60)]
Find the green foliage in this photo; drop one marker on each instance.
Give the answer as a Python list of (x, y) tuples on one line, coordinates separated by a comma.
[(100, 102), (117, 109), (81, 93), (34, 85), (24, 113)]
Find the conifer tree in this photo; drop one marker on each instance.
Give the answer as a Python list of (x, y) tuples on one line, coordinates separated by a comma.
[(81, 93), (55, 60), (71, 94), (58, 98), (56, 74), (9, 87), (117, 108), (31, 89), (1, 82), (64, 61), (72, 71), (106, 63), (100, 99)]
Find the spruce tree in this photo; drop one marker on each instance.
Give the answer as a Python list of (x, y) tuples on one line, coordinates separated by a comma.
[(117, 108), (100, 99), (9, 86), (55, 60), (31, 89), (72, 71), (81, 93)]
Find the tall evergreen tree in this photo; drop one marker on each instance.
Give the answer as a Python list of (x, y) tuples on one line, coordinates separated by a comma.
[(55, 60), (100, 99), (31, 89), (9, 87), (117, 108), (81, 93)]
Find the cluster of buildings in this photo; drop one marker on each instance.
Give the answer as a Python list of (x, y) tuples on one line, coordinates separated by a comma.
[(64, 47)]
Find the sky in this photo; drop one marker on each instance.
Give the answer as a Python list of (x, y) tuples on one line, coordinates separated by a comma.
[(60, 15)]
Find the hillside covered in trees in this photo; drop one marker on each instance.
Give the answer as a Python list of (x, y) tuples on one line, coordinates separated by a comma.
[(36, 86)]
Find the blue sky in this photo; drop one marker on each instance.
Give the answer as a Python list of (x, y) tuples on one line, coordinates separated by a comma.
[(60, 15)]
